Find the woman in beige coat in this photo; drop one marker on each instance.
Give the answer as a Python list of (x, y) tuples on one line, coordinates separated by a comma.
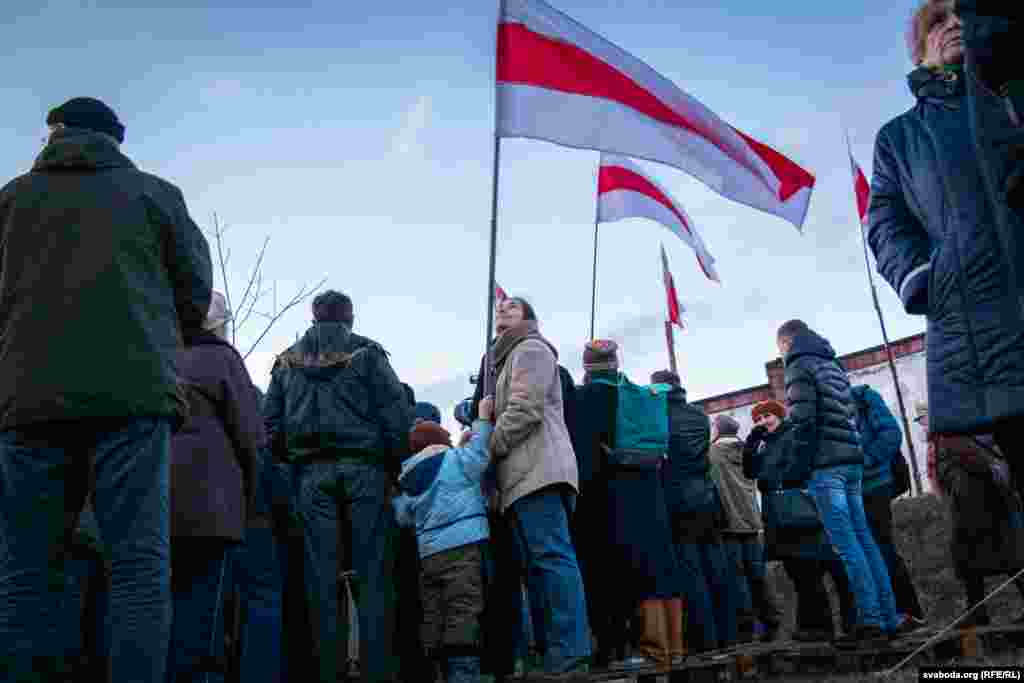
[(537, 484)]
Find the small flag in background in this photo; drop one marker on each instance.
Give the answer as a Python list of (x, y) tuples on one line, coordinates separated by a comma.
[(623, 191), (861, 189), (675, 309), (559, 81), (499, 294)]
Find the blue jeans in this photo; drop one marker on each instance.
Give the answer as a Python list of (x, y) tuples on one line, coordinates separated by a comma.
[(365, 490), (201, 578), (44, 473), (558, 609), (260, 583), (837, 495)]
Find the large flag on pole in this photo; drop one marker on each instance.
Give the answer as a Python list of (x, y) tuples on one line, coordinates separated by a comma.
[(561, 82), (624, 191), (675, 309)]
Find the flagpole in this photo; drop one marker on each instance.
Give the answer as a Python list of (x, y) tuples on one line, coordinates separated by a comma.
[(488, 379), (888, 349), (670, 340), (593, 283)]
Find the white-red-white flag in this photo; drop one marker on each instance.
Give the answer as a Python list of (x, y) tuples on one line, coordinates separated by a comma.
[(499, 294), (861, 189), (675, 309), (558, 81), (624, 191)]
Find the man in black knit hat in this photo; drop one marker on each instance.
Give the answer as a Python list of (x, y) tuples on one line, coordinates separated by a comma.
[(102, 267)]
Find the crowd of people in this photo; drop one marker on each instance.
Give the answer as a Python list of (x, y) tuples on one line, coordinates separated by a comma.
[(163, 521)]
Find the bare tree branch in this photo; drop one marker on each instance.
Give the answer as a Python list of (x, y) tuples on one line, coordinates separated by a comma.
[(218, 235), (256, 274), (254, 291), (304, 293)]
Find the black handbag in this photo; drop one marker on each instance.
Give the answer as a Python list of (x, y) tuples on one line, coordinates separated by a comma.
[(900, 474), (790, 509)]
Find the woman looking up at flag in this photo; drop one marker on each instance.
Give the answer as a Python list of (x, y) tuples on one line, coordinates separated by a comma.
[(538, 483)]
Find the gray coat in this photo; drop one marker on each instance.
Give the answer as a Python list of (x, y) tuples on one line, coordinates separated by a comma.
[(213, 457)]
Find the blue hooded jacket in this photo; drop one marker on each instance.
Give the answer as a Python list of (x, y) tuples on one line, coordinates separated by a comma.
[(880, 436), (441, 495)]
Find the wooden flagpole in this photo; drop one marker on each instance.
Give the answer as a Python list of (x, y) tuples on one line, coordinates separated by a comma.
[(670, 340), (888, 350)]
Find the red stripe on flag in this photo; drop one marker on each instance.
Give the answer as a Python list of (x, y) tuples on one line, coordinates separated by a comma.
[(792, 177), (530, 58), (863, 192), (611, 178), (674, 315)]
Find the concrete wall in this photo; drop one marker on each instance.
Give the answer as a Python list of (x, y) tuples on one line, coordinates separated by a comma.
[(913, 383)]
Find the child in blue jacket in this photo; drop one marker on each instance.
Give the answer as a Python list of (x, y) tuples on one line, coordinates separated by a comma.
[(441, 497)]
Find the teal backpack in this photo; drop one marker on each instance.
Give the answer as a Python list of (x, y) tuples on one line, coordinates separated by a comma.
[(641, 424)]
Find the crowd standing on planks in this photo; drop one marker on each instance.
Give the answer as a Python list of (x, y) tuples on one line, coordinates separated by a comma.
[(143, 478)]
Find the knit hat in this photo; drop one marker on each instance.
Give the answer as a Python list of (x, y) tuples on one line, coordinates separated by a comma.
[(600, 354), (88, 113), (428, 434), (666, 377), (769, 407), (726, 425), (219, 313), (427, 411)]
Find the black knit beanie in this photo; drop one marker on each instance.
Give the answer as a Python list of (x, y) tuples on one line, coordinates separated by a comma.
[(88, 113)]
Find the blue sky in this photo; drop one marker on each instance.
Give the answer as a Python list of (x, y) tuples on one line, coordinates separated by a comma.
[(358, 137)]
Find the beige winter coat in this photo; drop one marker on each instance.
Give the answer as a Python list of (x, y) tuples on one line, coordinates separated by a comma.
[(736, 491), (530, 442)]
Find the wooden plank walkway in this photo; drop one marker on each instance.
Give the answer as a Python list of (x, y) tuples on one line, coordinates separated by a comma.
[(761, 661)]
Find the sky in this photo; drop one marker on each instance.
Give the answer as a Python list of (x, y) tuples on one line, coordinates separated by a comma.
[(358, 137)]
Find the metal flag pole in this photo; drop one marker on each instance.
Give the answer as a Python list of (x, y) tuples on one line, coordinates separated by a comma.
[(888, 350), (593, 283), (488, 379)]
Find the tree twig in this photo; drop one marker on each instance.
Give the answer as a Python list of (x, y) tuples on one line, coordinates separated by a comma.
[(304, 293), (257, 272)]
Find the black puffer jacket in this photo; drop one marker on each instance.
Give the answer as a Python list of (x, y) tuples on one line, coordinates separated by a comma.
[(687, 474), (931, 231), (820, 405), (334, 393)]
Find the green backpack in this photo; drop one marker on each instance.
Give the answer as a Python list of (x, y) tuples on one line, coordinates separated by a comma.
[(641, 424)]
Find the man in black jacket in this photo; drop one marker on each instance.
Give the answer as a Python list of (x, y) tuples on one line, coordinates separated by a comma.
[(828, 446), (336, 408), (101, 269)]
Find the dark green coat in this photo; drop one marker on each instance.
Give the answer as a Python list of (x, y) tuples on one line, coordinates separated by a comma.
[(100, 268)]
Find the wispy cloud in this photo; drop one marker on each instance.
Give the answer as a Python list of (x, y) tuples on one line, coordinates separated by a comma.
[(416, 120)]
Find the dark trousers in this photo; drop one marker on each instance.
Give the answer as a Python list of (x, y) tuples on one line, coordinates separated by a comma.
[(974, 586), (878, 507), (710, 581), (813, 607), (200, 579), (504, 635)]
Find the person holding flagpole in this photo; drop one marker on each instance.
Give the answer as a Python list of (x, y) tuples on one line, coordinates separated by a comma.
[(537, 481)]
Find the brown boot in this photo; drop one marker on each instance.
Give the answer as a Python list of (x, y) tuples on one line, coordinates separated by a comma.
[(676, 618), (654, 643)]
